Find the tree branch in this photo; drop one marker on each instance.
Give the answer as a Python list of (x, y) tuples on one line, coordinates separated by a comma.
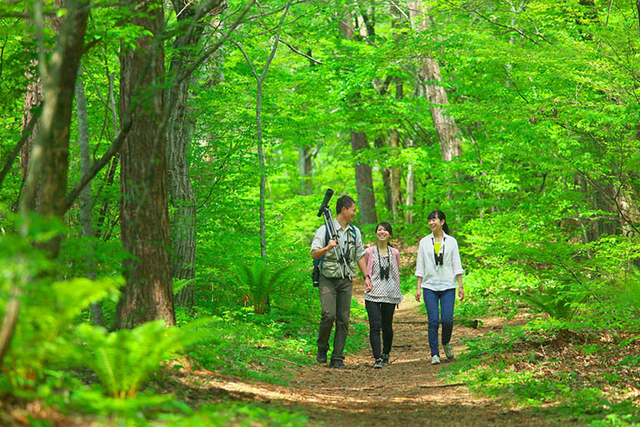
[(26, 133), (293, 49), (128, 118)]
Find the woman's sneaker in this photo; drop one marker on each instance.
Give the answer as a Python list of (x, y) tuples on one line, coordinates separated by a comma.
[(379, 364), (385, 359), (448, 350), (435, 359)]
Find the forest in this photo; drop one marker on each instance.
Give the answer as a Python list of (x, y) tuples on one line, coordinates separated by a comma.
[(163, 162)]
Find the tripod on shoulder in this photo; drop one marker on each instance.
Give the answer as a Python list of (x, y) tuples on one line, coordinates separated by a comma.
[(342, 254)]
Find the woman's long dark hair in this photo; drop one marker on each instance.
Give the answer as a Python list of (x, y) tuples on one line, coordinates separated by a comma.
[(441, 216)]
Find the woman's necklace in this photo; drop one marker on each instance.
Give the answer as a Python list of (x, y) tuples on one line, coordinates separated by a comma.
[(384, 271)]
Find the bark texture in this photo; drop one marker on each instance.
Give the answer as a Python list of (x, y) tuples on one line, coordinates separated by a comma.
[(180, 128), (49, 160), (364, 181), (430, 79), (32, 98), (144, 221), (395, 176)]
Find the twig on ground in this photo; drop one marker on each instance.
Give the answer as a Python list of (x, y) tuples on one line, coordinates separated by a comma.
[(442, 385)]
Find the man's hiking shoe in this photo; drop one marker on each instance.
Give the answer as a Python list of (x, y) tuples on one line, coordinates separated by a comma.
[(448, 350), (435, 359), (379, 364), (321, 357), (385, 359), (337, 364)]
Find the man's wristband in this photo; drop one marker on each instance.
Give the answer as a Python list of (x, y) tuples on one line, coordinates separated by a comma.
[(367, 277)]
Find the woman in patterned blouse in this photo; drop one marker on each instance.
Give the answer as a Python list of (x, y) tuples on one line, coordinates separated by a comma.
[(384, 294)]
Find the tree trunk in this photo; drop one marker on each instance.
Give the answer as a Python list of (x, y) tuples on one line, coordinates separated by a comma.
[(180, 128), (364, 181), (144, 217), (394, 176), (110, 173), (259, 142), (305, 167), (49, 162), (603, 202), (430, 77), (85, 196), (32, 98), (395, 179), (263, 169), (410, 190), (386, 176)]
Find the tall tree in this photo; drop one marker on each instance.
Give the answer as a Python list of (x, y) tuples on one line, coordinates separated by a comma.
[(34, 92), (49, 162), (431, 88), (364, 180), (144, 217), (359, 142), (261, 158), (179, 135)]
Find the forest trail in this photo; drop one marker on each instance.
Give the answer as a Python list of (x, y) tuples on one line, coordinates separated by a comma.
[(408, 392)]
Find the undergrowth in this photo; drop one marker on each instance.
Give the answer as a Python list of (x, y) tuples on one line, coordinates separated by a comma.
[(565, 370)]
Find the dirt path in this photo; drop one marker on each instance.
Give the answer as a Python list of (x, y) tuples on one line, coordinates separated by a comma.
[(408, 392)]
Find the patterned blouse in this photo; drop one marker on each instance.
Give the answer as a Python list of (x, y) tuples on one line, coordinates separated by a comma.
[(384, 289)]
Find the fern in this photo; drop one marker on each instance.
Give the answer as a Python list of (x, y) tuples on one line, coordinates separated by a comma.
[(558, 302), (123, 360), (259, 284), (46, 314)]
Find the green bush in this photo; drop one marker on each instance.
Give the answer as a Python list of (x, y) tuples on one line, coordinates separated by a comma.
[(260, 283), (123, 360), (558, 301), (47, 310)]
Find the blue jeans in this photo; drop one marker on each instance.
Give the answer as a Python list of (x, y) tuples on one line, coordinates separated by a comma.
[(445, 315)]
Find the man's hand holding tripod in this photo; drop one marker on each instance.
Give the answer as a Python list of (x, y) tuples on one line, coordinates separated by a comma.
[(321, 252)]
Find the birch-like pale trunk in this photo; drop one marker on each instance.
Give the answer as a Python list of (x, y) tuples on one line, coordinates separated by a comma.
[(395, 176), (430, 79)]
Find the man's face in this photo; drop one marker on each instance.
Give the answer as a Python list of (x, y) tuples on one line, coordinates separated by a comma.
[(350, 212)]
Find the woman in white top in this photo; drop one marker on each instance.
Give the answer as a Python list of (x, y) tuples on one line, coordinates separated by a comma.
[(438, 269), (383, 293)]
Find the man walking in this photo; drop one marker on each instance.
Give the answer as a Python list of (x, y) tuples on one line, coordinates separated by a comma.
[(335, 290)]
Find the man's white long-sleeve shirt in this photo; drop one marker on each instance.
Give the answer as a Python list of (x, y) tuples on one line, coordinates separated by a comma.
[(438, 277)]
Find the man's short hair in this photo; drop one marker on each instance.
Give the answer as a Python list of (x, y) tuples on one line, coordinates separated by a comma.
[(344, 202)]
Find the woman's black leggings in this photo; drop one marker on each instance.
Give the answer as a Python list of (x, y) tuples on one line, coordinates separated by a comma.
[(380, 317)]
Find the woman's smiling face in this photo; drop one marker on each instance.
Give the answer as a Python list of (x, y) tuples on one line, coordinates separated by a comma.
[(435, 224), (382, 233)]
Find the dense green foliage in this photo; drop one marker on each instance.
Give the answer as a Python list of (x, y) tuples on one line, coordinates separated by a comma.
[(544, 199)]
